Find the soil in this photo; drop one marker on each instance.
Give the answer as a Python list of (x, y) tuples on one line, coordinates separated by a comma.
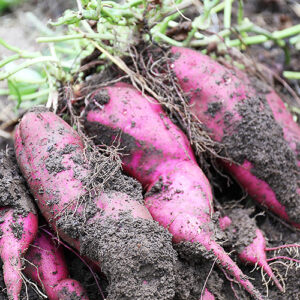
[(241, 231)]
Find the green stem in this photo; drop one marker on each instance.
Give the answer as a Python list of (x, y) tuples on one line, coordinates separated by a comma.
[(250, 40), (8, 60), (291, 75), (162, 27), (199, 22), (87, 27), (75, 37), (258, 30), (168, 40), (281, 43), (173, 24), (227, 14), (9, 47), (27, 64), (295, 39), (294, 30), (218, 37), (65, 50), (219, 7), (11, 58), (240, 16), (170, 10)]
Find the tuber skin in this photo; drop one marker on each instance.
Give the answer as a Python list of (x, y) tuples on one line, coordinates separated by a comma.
[(255, 254), (18, 226), (111, 227), (219, 98), (158, 155), (46, 266), (207, 295), (13, 247)]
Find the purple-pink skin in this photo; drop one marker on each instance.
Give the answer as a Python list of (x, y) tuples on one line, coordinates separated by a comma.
[(46, 266), (69, 289), (206, 81), (36, 135), (255, 253), (159, 155), (207, 295), (13, 248)]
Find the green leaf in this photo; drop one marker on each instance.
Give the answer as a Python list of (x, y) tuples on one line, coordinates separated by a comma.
[(13, 89)]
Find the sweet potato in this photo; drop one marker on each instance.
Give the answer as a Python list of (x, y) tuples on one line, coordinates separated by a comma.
[(207, 295), (158, 154), (255, 253), (46, 266), (111, 226), (18, 224), (258, 133), (249, 241)]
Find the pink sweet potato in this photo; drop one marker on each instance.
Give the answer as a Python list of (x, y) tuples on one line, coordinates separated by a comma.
[(17, 232), (257, 131), (207, 295), (255, 252), (110, 226), (18, 224), (158, 154), (46, 266)]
